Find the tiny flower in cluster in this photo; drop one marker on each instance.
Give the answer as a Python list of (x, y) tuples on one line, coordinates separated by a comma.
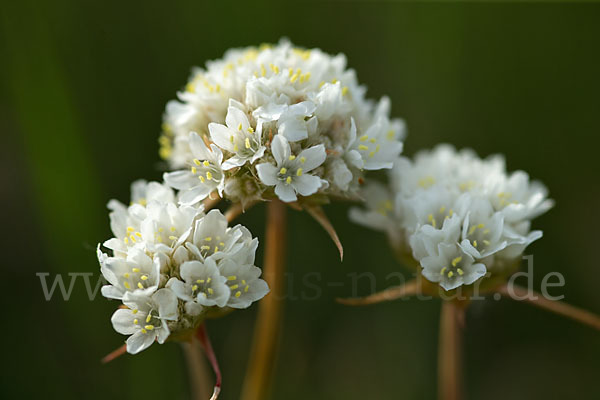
[(457, 215), (238, 117), (172, 264)]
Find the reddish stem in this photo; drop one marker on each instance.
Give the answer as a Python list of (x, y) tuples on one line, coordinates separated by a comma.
[(111, 356), (202, 336)]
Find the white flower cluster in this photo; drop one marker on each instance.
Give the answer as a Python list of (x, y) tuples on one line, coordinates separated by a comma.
[(276, 118), (172, 264), (459, 216)]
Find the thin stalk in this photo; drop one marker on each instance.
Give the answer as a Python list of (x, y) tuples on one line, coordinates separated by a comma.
[(117, 353), (267, 330), (202, 336), (198, 371), (211, 201), (389, 294), (237, 209), (557, 307), (450, 351)]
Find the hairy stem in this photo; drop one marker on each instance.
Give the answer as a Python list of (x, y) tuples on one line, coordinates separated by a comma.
[(198, 371), (267, 331), (557, 307), (450, 351)]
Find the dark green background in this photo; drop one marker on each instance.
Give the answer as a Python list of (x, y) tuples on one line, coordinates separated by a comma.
[(83, 88)]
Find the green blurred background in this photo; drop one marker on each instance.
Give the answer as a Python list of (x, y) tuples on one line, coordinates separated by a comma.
[(83, 88)]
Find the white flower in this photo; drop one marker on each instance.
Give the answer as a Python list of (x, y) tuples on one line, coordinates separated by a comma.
[(291, 119), (251, 96), (451, 267), (138, 273), (380, 144), (204, 176), (483, 229), (202, 285), (244, 282), (213, 239), (146, 318), (237, 137), (518, 198), (153, 222), (175, 266), (290, 176), (451, 204)]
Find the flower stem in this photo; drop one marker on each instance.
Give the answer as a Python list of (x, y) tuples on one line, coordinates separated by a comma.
[(198, 371), (557, 307), (389, 294), (450, 351), (202, 336), (267, 331)]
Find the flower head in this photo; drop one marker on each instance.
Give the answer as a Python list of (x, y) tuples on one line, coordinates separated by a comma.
[(256, 104), (457, 215), (182, 265)]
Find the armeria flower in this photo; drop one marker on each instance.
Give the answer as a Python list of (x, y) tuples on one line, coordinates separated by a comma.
[(137, 273), (146, 318), (455, 214), (244, 102), (153, 221), (202, 285), (291, 119), (213, 239), (244, 283), (205, 173), (289, 175), (380, 144), (451, 267), (180, 256), (237, 137)]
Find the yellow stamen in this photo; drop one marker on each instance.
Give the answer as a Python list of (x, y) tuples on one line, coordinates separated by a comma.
[(288, 180), (299, 172), (283, 170)]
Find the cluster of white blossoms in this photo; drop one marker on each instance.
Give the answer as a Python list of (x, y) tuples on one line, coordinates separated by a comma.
[(457, 215), (172, 264), (276, 121)]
